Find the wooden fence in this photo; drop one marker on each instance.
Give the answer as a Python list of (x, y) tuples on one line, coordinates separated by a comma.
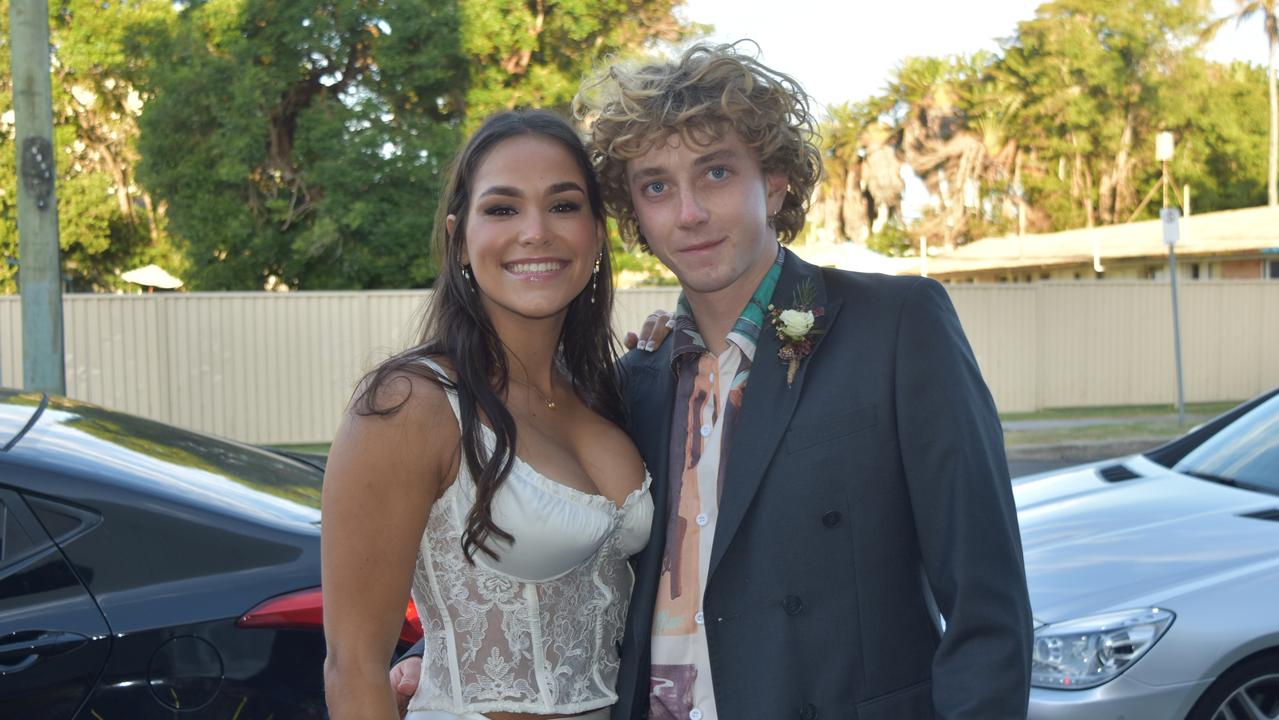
[(279, 367)]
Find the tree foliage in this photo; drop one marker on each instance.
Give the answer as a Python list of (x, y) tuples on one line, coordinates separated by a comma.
[(1268, 11), (108, 222), (252, 143), (533, 53), (1057, 131), (302, 142)]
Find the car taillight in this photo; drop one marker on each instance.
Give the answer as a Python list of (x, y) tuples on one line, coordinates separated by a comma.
[(412, 630), (304, 610)]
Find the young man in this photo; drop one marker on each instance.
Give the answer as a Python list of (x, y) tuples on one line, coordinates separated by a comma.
[(828, 465)]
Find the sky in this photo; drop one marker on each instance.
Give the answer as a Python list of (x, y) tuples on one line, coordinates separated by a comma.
[(844, 51)]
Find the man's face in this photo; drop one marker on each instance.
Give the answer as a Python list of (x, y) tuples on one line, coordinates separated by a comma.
[(704, 210)]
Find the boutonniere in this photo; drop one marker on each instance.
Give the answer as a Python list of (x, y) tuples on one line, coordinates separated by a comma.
[(796, 328)]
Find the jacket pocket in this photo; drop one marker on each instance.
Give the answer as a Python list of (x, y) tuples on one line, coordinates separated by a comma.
[(812, 432), (913, 702)]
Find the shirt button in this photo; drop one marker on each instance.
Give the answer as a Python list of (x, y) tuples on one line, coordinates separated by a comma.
[(706, 430), (695, 714), (699, 618), (702, 519)]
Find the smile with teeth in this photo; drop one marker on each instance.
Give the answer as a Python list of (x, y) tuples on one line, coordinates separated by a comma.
[(541, 266)]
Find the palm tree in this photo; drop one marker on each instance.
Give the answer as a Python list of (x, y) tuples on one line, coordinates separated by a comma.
[(1244, 10)]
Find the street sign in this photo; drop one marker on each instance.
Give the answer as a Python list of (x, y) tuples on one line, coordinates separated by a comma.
[(1171, 219)]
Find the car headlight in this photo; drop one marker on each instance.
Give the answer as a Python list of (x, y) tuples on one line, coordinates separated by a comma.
[(1084, 653)]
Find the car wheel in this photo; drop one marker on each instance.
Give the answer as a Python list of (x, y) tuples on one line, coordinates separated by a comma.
[(1249, 691)]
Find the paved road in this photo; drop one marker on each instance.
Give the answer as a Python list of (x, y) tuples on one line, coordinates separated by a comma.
[(1017, 468), (1056, 423), (1048, 457)]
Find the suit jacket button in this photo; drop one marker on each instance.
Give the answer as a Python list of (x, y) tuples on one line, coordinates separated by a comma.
[(832, 519), (808, 712), (793, 605)]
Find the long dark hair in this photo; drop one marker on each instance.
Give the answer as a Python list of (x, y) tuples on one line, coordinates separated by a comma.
[(456, 326)]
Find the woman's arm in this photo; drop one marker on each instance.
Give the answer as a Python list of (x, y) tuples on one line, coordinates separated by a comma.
[(383, 475)]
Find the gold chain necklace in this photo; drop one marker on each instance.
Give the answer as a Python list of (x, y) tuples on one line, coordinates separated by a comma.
[(550, 404)]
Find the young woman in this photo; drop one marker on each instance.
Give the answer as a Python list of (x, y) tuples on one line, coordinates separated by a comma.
[(484, 469)]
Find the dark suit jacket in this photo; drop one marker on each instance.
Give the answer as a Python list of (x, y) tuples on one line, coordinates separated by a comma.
[(882, 466)]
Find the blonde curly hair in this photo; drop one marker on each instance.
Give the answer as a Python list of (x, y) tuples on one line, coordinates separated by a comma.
[(708, 91)]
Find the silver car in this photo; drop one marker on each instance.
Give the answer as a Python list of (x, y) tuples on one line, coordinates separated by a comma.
[(1155, 579)]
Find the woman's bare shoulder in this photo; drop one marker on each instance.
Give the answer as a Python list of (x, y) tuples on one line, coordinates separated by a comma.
[(413, 387), (401, 415)]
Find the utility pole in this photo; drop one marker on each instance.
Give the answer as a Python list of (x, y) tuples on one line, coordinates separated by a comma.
[(40, 268), (1171, 219)]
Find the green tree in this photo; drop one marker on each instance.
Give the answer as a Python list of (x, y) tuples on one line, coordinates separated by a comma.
[(841, 206), (1093, 76), (107, 222), (1220, 139), (302, 143), (534, 53), (305, 143), (1267, 10), (1057, 130), (955, 137)]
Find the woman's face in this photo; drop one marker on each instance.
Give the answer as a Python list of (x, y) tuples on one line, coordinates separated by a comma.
[(531, 240)]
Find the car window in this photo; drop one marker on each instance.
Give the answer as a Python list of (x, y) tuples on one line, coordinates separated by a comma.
[(61, 521), (15, 543), (1246, 451)]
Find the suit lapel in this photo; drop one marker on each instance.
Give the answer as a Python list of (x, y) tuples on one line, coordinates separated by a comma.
[(767, 406)]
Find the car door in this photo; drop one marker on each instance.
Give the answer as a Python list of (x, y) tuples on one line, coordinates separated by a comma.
[(54, 641)]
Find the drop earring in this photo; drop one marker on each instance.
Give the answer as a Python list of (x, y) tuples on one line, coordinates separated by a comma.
[(466, 273), (595, 276)]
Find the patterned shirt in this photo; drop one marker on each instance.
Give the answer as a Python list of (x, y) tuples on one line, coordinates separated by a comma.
[(708, 397)]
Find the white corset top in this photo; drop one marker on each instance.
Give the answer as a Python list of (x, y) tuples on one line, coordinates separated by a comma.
[(538, 629)]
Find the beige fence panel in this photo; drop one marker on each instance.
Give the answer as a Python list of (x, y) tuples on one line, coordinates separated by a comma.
[(1230, 339), (1104, 344), (1111, 343), (115, 353), (10, 342), (632, 307), (277, 368), (1001, 323), (268, 367)]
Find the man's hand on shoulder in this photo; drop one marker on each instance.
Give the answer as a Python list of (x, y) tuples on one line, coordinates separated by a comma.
[(656, 327)]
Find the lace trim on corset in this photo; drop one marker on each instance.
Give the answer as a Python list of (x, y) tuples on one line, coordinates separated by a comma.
[(497, 643), (567, 666)]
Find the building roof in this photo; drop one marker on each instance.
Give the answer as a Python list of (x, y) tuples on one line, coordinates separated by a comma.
[(1229, 232), (853, 256)]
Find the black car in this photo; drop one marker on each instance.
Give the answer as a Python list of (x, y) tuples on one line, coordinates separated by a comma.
[(152, 572)]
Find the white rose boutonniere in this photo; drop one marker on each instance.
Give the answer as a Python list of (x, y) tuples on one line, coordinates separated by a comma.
[(796, 329), (795, 324)]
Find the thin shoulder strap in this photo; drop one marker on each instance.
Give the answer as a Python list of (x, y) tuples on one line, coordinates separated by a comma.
[(451, 392)]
